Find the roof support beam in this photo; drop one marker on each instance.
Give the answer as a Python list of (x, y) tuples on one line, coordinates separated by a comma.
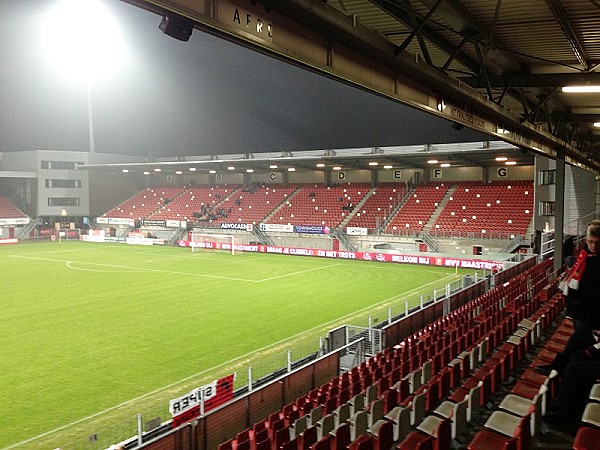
[(453, 55), (528, 80), (401, 16), (417, 30), (561, 17), (543, 100), (483, 72)]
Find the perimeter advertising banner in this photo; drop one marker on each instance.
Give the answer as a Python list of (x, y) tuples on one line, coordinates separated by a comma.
[(311, 229), (15, 221), (236, 226), (187, 407), (115, 221), (467, 263), (277, 227), (357, 231)]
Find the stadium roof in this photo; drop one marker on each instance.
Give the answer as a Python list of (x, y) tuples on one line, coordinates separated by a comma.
[(480, 154), (509, 57), (499, 66)]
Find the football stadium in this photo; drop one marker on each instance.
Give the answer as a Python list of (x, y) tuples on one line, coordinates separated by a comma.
[(243, 278)]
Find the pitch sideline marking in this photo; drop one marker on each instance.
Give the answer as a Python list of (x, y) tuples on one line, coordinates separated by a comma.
[(145, 269), (296, 273), (258, 352)]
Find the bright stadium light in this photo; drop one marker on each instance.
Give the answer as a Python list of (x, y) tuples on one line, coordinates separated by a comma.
[(84, 42), (83, 39), (585, 89)]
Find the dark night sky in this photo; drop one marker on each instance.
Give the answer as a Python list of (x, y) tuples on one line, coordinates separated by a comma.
[(205, 96)]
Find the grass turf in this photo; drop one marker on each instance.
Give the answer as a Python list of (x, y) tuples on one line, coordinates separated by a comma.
[(93, 334)]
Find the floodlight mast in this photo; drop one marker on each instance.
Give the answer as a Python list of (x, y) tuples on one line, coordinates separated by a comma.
[(90, 117), (84, 41)]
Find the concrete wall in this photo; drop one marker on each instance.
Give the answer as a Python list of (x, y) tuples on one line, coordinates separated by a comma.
[(502, 172), (581, 189), (50, 196), (399, 175)]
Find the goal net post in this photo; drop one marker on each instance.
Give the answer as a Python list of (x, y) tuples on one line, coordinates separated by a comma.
[(203, 242), (68, 234)]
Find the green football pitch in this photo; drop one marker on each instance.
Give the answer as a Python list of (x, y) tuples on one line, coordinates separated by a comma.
[(94, 334)]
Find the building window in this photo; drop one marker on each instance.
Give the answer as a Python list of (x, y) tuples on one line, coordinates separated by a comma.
[(63, 183), (547, 177), (60, 165), (546, 209), (63, 201)]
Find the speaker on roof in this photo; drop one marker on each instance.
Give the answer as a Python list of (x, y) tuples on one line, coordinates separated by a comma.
[(177, 26)]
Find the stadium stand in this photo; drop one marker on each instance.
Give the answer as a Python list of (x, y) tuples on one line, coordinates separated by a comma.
[(144, 203), (196, 203), (503, 325), (8, 210), (418, 208), (379, 206), (320, 205), (253, 204), (500, 209)]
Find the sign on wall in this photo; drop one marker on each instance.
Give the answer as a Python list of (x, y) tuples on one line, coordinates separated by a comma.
[(248, 17)]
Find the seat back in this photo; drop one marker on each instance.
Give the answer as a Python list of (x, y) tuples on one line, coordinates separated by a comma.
[(260, 435), (298, 427), (375, 411), (523, 433), (390, 400), (280, 437), (474, 357), (342, 414), (263, 444), (357, 403), (341, 437), (309, 437), (459, 418), (415, 380), (384, 438), (325, 425), (371, 393), (363, 442), (400, 418), (316, 414), (403, 388), (426, 371), (359, 423), (474, 401), (443, 435), (322, 444), (418, 407), (227, 445)]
